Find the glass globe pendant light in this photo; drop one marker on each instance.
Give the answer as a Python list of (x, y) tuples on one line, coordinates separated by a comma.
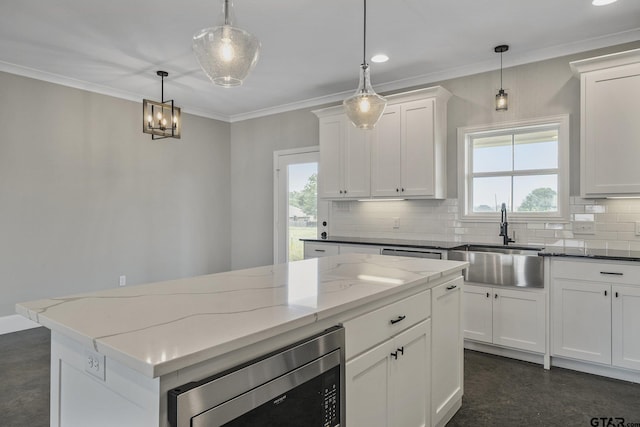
[(364, 107), (226, 53)]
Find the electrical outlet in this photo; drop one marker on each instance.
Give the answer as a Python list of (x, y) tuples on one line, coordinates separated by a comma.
[(396, 223), (123, 280), (94, 363), (585, 227)]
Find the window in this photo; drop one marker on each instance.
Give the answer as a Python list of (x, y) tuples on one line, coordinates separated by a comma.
[(521, 164)]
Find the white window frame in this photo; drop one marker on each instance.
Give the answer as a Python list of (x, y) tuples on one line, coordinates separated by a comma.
[(465, 135)]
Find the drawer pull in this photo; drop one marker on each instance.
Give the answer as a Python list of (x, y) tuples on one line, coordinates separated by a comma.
[(398, 319), (611, 273), (320, 250), (394, 355), (451, 287), (401, 350)]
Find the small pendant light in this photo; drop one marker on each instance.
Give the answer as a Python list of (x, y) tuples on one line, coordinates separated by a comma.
[(226, 53), (364, 107), (502, 98)]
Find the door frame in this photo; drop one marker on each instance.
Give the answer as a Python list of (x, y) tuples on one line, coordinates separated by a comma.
[(277, 155)]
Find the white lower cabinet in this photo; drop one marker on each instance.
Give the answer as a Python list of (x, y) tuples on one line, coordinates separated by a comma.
[(511, 318), (447, 357), (388, 385), (596, 312), (582, 320), (625, 322)]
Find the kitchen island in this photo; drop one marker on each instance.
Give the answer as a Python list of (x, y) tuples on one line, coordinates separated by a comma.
[(116, 353)]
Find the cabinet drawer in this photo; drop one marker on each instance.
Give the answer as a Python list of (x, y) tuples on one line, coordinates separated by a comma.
[(368, 330), (597, 272), (316, 250)]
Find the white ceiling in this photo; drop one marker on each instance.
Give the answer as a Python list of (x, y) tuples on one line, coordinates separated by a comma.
[(311, 49)]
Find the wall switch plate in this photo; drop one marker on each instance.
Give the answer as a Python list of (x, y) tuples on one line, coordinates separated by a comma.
[(396, 223), (123, 280), (94, 363), (584, 227)]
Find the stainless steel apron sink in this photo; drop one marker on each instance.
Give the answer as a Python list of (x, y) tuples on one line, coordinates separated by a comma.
[(501, 265)]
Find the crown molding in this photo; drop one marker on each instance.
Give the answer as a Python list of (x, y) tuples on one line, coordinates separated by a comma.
[(424, 79)]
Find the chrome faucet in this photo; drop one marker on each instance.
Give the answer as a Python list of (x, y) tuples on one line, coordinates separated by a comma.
[(504, 226)]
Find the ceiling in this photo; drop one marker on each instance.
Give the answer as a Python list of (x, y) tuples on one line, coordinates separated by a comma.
[(311, 49)]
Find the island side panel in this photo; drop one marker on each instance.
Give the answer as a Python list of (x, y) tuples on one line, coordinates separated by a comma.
[(124, 398)]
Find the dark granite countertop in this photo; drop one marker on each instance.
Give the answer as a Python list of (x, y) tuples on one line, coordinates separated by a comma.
[(610, 254), (425, 244), (553, 251)]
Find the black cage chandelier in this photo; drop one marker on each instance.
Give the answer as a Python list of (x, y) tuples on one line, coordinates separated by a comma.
[(161, 119)]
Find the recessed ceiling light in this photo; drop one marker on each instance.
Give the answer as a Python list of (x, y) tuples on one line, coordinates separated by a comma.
[(381, 57), (602, 2)]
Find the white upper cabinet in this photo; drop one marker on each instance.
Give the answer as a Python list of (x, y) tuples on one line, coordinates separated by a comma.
[(609, 128), (408, 146), (345, 159), (403, 156)]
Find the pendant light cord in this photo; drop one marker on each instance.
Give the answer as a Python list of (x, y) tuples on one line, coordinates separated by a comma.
[(162, 89), (364, 48), (226, 12), (501, 70)]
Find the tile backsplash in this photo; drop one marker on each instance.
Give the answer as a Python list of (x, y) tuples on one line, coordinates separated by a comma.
[(594, 223)]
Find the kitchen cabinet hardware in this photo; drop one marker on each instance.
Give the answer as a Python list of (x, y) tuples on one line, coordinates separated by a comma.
[(611, 273), (340, 191), (616, 294), (605, 293), (394, 354), (488, 295), (495, 296), (401, 350), (397, 190), (319, 250), (451, 287), (398, 319)]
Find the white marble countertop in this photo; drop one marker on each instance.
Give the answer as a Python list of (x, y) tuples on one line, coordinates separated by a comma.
[(158, 328)]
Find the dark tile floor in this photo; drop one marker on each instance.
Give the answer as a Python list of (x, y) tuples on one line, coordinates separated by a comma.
[(498, 392)]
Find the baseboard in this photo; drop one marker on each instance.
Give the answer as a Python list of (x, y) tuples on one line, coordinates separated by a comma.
[(505, 352), (15, 323), (597, 369)]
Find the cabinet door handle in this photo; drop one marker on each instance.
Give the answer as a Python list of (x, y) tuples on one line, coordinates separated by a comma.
[(394, 355), (319, 250), (345, 191), (403, 190), (605, 293), (495, 296), (397, 319), (488, 295), (340, 191), (451, 287), (612, 273), (616, 294), (401, 350), (397, 190)]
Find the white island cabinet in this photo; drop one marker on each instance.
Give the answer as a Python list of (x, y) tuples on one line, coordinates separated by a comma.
[(116, 354)]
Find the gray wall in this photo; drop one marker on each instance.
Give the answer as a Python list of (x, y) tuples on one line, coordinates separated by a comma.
[(252, 145), (535, 90), (86, 197)]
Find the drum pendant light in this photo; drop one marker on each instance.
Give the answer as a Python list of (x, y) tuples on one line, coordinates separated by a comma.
[(364, 107), (226, 53), (502, 98)]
